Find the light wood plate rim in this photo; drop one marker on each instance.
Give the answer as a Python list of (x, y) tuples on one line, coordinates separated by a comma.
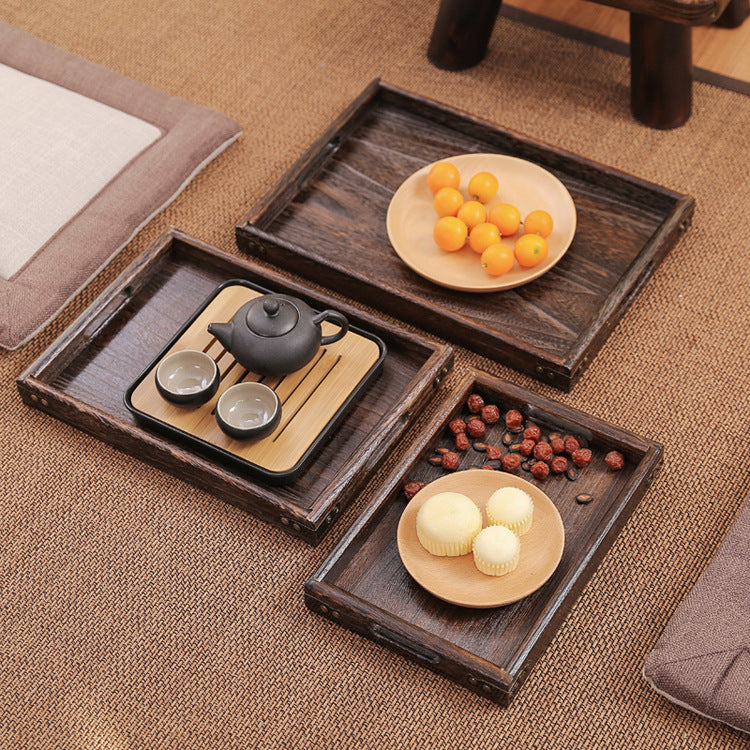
[(527, 185), (456, 579)]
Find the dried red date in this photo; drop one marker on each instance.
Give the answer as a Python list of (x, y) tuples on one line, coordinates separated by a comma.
[(450, 460), (557, 444), (513, 419), (571, 444), (475, 403), (494, 452), (411, 489), (532, 432), (543, 452), (490, 414), (615, 460), (559, 465), (581, 458), (457, 426), (510, 461), (462, 441), (526, 447), (540, 470), (475, 428)]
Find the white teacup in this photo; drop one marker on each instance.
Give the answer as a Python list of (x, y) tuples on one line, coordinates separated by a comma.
[(248, 410)]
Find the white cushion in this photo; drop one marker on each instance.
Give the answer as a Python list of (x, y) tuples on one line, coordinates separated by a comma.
[(58, 149)]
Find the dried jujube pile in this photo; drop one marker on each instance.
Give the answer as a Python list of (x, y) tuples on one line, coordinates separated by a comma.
[(523, 446)]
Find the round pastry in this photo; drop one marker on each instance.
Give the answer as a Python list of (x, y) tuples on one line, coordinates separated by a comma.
[(496, 550), (511, 507), (447, 524)]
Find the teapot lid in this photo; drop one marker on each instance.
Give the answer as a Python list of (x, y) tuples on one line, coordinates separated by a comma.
[(271, 315)]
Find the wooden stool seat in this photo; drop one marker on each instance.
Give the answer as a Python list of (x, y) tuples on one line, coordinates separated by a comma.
[(661, 54)]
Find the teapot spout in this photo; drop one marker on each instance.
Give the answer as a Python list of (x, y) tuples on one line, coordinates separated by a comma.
[(223, 332)]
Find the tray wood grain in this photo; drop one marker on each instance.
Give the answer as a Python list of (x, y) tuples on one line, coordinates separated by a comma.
[(364, 586), (82, 377), (310, 398), (327, 219)]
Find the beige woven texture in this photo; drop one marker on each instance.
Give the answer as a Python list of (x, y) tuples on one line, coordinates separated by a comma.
[(139, 612)]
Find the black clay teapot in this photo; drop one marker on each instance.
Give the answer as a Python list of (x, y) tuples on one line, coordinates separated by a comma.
[(275, 334)]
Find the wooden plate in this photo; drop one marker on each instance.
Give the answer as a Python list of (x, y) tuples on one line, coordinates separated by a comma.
[(411, 218), (456, 579)]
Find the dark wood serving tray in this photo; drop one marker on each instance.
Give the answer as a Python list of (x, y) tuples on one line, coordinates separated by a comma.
[(329, 213), (364, 586), (83, 376)]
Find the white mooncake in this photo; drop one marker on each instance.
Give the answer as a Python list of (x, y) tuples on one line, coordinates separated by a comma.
[(511, 507), (447, 524), (497, 550)]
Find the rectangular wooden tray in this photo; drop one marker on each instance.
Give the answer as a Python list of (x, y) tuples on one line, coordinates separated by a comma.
[(329, 215), (314, 399), (83, 376), (364, 585)]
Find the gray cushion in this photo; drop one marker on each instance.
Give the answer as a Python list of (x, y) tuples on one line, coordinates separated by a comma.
[(38, 285), (702, 659)]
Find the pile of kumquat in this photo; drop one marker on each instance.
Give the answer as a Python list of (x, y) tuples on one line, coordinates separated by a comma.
[(484, 228)]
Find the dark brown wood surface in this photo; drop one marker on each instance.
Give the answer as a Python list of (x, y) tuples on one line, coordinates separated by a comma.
[(364, 586), (461, 33), (326, 220), (661, 71), (83, 376), (687, 12)]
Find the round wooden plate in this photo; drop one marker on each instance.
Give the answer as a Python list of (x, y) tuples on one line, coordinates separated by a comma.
[(456, 579), (411, 218)]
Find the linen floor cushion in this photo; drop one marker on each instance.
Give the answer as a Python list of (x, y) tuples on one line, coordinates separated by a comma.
[(702, 659), (87, 158)]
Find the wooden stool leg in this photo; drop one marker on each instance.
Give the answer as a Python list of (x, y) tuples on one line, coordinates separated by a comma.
[(734, 14), (661, 71), (462, 32)]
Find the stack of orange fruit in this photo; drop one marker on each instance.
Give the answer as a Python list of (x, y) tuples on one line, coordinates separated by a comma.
[(470, 221)]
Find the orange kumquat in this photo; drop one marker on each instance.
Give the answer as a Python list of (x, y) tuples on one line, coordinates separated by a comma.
[(482, 236), (443, 174), (483, 186), (530, 250), (447, 201), (472, 213), (450, 233), (506, 217), (498, 259), (538, 222)]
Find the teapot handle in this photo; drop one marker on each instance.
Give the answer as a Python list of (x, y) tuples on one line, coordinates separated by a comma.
[(334, 317)]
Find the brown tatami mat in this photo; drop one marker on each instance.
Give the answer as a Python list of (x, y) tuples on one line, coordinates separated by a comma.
[(139, 612)]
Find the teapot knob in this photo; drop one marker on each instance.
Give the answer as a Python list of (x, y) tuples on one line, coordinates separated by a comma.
[(271, 307)]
